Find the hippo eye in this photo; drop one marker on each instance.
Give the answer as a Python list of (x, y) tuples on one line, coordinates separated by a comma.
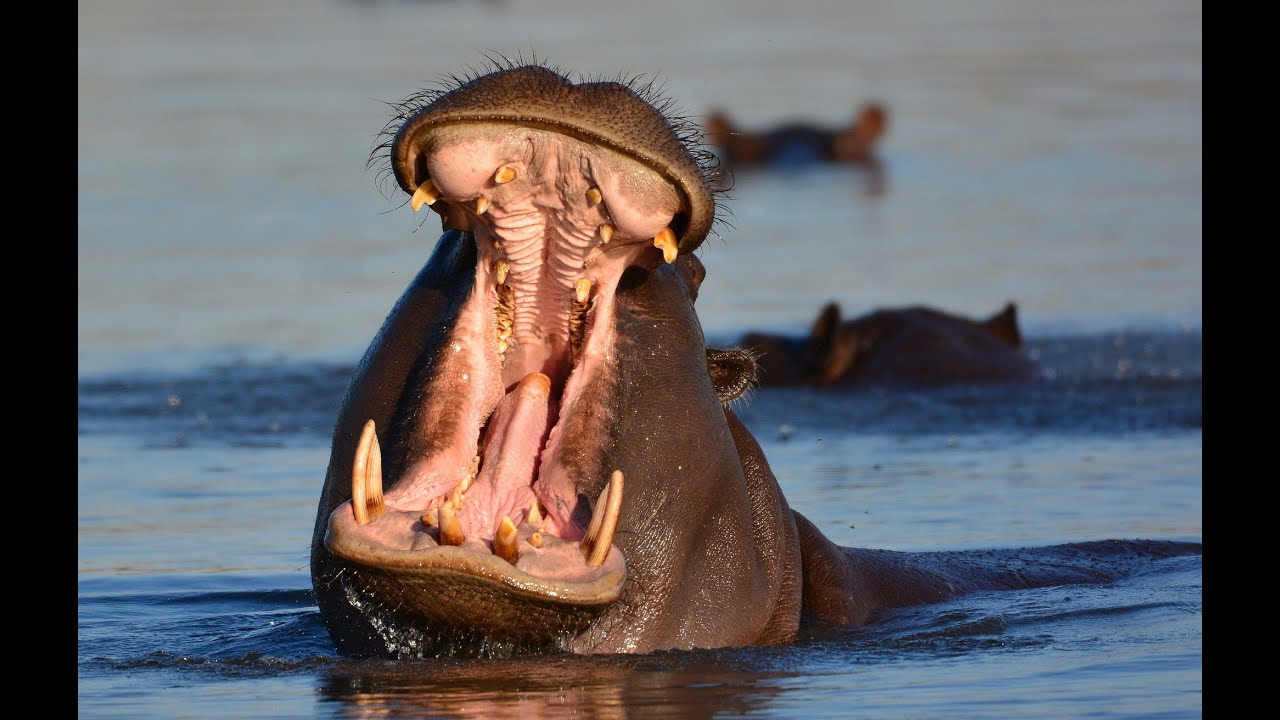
[(633, 277)]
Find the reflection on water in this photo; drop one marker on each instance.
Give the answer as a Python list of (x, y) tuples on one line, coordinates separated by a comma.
[(680, 685)]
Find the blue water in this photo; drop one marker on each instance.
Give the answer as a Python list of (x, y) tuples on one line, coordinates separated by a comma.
[(235, 258)]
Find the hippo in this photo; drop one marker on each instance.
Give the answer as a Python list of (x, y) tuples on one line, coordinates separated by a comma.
[(913, 347), (537, 453), (798, 143)]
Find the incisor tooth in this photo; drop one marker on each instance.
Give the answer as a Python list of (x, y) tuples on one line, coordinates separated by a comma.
[(504, 174), (665, 241), (594, 197), (366, 477), (450, 527), (482, 205), (606, 233), (581, 289), (426, 194), (536, 539), (504, 541), (599, 538)]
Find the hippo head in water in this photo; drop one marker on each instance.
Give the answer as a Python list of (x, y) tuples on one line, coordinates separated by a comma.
[(534, 453), (796, 144), (913, 346)]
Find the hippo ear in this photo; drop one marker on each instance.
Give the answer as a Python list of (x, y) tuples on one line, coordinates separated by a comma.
[(822, 335), (733, 372), (1004, 325), (719, 129)]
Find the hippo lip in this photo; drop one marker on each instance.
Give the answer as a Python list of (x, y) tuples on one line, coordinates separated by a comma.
[(501, 502)]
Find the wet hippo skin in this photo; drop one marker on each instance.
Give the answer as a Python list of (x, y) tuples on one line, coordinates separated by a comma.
[(535, 452), (895, 347)]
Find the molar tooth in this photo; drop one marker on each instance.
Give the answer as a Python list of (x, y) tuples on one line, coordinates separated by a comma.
[(500, 270), (536, 539), (450, 527), (482, 205), (475, 466), (504, 174), (426, 194), (604, 520), (606, 233), (593, 196), (366, 477), (502, 347), (504, 541), (504, 331), (665, 241), (581, 289)]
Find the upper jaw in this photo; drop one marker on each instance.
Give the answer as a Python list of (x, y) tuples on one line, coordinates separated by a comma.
[(609, 116)]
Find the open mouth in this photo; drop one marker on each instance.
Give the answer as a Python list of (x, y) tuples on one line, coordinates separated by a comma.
[(501, 485)]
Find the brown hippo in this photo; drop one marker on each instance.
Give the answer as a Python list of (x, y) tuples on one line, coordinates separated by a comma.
[(798, 143), (906, 347), (532, 454)]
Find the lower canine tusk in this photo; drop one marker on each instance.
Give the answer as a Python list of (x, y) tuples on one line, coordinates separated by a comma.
[(599, 538), (366, 477)]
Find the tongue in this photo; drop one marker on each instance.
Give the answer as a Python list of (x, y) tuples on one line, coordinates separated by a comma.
[(517, 431)]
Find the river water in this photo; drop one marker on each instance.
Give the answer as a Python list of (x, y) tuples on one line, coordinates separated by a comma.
[(235, 257)]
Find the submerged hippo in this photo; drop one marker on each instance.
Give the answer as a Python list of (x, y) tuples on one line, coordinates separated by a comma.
[(798, 143), (535, 453), (907, 347)]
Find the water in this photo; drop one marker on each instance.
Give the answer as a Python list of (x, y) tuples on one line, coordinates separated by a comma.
[(235, 258)]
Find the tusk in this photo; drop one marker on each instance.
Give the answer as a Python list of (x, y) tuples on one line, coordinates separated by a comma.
[(599, 538), (665, 241), (366, 477), (504, 175), (426, 194), (450, 527), (504, 541)]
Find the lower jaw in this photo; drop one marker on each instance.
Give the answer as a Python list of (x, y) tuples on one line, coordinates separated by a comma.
[(446, 610)]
